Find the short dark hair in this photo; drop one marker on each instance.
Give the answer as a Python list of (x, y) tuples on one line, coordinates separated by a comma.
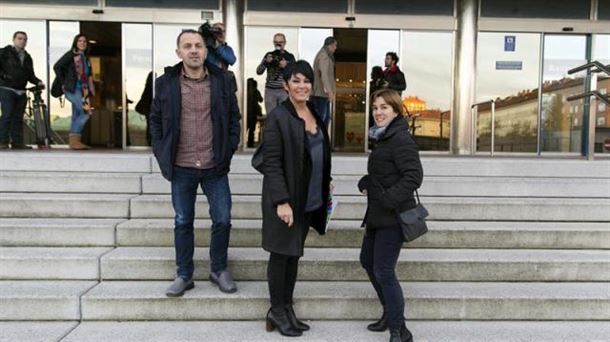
[(75, 40), (18, 33), (391, 97), (298, 67), (393, 55), (185, 32), (329, 41)]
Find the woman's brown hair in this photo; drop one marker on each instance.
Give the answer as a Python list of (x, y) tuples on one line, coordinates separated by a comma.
[(391, 97)]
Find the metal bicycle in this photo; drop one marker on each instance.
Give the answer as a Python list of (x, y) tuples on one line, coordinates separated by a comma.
[(38, 120)]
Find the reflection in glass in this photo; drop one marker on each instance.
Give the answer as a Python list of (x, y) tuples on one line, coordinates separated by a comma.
[(137, 55), (562, 120), (258, 41), (508, 72), (379, 43), (36, 47), (427, 61), (348, 124), (61, 34), (601, 52)]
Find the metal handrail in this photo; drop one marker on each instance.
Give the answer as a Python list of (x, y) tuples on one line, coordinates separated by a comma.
[(595, 64), (493, 125), (595, 93)]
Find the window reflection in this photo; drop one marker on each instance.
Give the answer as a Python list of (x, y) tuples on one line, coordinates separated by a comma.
[(61, 34), (508, 72), (427, 62), (137, 40), (36, 47), (562, 120), (601, 52), (258, 41)]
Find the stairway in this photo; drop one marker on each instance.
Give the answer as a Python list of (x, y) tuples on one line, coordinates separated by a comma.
[(518, 250)]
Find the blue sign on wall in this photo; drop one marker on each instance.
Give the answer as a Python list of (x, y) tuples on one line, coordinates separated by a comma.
[(509, 43)]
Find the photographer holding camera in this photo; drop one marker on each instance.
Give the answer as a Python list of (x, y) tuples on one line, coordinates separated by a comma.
[(220, 53), (274, 62)]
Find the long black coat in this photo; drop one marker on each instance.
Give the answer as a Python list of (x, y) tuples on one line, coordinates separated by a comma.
[(394, 164), (166, 114), (287, 168)]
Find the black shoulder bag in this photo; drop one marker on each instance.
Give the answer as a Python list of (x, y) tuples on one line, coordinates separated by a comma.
[(412, 221)]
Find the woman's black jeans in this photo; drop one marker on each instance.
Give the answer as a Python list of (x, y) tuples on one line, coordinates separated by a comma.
[(378, 256)]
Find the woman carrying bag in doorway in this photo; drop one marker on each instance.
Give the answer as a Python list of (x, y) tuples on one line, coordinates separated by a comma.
[(394, 173), (73, 70)]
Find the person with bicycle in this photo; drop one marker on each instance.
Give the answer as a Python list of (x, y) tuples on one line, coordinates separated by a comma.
[(73, 70), (16, 70)]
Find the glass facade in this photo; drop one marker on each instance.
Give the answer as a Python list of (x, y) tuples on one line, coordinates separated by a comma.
[(561, 121), (508, 73), (427, 61), (524, 73)]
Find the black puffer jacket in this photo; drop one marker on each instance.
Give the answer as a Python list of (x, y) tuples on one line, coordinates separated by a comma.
[(394, 173), (12, 73)]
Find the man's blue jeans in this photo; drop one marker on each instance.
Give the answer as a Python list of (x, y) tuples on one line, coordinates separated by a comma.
[(185, 182), (322, 106), (11, 119)]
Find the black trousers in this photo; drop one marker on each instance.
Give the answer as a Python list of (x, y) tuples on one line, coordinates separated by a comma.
[(282, 276), (378, 256)]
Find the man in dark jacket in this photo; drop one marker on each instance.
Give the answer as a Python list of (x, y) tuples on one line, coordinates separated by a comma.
[(194, 127), (16, 70), (394, 77)]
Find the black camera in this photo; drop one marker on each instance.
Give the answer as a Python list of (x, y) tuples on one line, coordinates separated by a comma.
[(209, 35), (276, 56)]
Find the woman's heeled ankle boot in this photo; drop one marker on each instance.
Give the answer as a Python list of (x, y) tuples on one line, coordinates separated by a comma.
[(278, 319), (294, 321), (380, 325), (401, 334)]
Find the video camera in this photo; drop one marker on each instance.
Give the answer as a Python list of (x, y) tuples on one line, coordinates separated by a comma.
[(209, 34), (277, 56)]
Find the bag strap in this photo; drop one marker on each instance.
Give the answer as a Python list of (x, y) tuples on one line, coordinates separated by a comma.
[(383, 189)]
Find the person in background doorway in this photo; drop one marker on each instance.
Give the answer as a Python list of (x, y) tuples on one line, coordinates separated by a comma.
[(16, 70), (393, 75), (296, 187), (377, 82), (194, 128), (324, 86), (222, 54), (143, 105), (394, 172), (274, 62), (254, 109), (74, 72)]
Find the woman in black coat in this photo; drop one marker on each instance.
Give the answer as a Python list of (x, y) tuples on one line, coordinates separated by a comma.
[(394, 173), (296, 186)]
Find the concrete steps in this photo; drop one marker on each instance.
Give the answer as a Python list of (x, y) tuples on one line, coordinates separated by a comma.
[(347, 233), (342, 264), (57, 232), (433, 186), (71, 182), (42, 300), (128, 300), (440, 208), (55, 263), (63, 205), (34, 331), (339, 331)]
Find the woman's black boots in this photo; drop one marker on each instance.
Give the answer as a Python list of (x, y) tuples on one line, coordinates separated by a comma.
[(401, 334), (278, 319), (380, 325), (294, 321)]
